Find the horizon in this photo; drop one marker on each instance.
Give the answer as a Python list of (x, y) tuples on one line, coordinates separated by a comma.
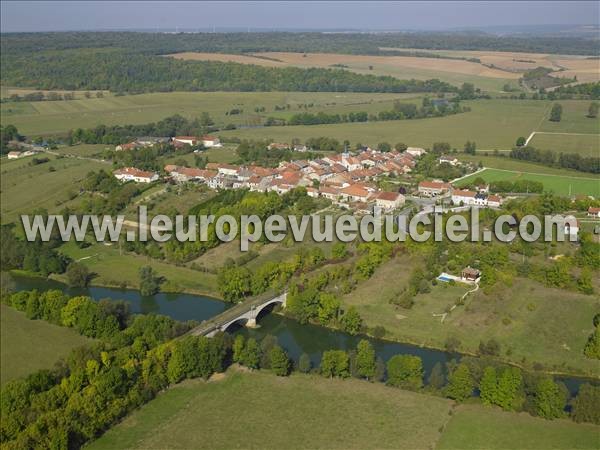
[(298, 16)]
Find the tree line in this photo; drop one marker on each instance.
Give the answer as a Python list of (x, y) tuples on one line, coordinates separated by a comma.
[(238, 42), (134, 72), (137, 356), (550, 158)]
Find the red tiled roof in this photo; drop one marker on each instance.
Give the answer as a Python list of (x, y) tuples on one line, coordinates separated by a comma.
[(389, 196)]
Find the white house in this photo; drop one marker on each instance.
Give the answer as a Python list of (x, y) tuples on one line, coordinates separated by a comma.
[(591, 212), (415, 151), (211, 141), (14, 155), (389, 200), (136, 175), (448, 160)]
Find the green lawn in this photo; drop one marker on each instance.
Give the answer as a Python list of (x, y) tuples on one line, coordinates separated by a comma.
[(527, 319), (562, 185), (49, 185), (475, 427), (114, 269), (585, 144), (259, 410), (30, 345), (502, 161)]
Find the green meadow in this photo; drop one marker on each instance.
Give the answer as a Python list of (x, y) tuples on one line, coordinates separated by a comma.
[(30, 345), (559, 184)]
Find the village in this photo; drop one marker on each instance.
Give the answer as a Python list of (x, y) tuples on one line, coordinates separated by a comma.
[(348, 179)]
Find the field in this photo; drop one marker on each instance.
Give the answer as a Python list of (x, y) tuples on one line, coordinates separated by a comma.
[(559, 184), (6, 92), (59, 117), (115, 269), (527, 319), (502, 161), (474, 427), (30, 345), (492, 124), (584, 144), (452, 71), (259, 410), (49, 185)]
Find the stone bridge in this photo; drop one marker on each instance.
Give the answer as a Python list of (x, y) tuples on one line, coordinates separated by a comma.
[(245, 312)]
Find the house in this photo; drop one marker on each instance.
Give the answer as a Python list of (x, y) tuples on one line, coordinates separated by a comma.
[(189, 140), (433, 188), (182, 174), (277, 146), (300, 148), (149, 141), (224, 169), (494, 201), (136, 175), (329, 192), (464, 197), (211, 141), (126, 147), (389, 200), (591, 212), (355, 193), (415, 151), (448, 160), (470, 275), (14, 155)]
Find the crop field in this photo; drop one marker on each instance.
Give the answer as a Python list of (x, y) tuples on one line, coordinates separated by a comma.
[(404, 67), (30, 345), (492, 124), (562, 185), (49, 185), (61, 116), (294, 412), (303, 412), (527, 319)]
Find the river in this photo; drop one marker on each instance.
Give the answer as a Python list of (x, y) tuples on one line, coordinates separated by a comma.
[(293, 336)]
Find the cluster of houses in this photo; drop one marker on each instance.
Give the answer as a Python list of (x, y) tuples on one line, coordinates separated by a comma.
[(460, 197), (22, 149), (206, 141), (345, 179)]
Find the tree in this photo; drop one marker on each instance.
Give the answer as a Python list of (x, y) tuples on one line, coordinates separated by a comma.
[(460, 383), (329, 306), (509, 395), (251, 354), (556, 112), (593, 110), (436, 378), (384, 147), (304, 363), (339, 250), (149, 281), (78, 275), (405, 371), (521, 141), (488, 386), (550, 399), (238, 348), (470, 147), (280, 363), (440, 147), (365, 359), (401, 147), (335, 363), (466, 91), (351, 321), (592, 347), (585, 406)]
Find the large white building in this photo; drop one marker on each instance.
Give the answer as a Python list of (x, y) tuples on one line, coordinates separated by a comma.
[(136, 175)]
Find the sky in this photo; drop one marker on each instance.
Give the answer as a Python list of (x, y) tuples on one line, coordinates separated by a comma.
[(371, 15)]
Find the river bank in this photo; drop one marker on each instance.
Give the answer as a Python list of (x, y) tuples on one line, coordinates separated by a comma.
[(296, 338)]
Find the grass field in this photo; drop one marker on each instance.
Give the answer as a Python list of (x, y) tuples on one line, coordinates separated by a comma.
[(259, 410), (474, 427), (492, 124), (115, 269), (559, 184), (49, 185), (502, 161), (58, 117), (30, 345), (584, 144), (526, 336)]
